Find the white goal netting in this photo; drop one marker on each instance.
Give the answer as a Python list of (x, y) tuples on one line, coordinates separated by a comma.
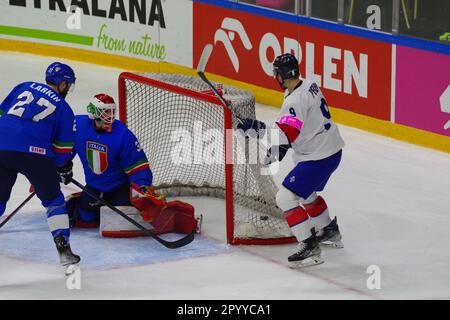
[(182, 128)]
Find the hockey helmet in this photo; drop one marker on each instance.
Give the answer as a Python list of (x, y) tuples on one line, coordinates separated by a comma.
[(58, 72), (102, 108), (286, 65)]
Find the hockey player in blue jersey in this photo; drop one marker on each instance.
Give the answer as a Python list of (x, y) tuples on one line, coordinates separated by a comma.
[(116, 169), (112, 161), (36, 140)]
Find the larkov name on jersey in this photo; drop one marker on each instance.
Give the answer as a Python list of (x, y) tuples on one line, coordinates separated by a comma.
[(136, 9)]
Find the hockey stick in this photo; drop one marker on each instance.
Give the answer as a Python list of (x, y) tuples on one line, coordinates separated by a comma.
[(168, 244), (201, 72), (17, 209)]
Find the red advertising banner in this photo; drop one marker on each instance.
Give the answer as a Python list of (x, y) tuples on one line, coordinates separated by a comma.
[(353, 72)]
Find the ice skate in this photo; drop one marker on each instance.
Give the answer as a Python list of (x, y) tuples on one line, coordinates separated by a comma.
[(330, 235), (308, 254), (67, 258)]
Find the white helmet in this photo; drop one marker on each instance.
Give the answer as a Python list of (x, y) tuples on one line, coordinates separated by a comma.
[(102, 109)]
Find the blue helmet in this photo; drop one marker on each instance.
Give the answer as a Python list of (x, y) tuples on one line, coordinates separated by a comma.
[(58, 72), (286, 65)]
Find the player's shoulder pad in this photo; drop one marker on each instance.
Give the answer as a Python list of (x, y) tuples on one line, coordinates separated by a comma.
[(82, 121), (23, 85), (120, 129), (81, 118), (120, 126)]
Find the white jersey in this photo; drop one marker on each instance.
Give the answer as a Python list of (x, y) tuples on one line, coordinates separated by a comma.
[(306, 123)]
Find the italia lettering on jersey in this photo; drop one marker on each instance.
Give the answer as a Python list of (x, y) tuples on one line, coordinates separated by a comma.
[(36, 119), (306, 125), (110, 159)]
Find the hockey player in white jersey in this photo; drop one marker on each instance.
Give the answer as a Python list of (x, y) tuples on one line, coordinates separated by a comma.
[(304, 124)]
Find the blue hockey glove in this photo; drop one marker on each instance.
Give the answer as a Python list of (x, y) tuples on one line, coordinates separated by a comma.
[(254, 125), (276, 153)]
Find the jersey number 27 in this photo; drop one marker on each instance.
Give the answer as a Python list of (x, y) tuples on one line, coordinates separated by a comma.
[(19, 108)]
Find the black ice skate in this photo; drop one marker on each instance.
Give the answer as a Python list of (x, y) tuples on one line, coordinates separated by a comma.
[(308, 254), (67, 258), (330, 235)]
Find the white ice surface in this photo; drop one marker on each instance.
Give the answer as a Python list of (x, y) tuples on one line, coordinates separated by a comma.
[(392, 201)]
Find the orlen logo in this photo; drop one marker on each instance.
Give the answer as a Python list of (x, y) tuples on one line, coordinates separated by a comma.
[(226, 35), (352, 70), (328, 77)]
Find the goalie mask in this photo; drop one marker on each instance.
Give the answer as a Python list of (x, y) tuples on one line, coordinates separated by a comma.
[(102, 109)]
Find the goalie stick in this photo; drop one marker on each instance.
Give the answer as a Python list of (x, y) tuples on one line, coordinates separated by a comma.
[(168, 244), (17, 209)]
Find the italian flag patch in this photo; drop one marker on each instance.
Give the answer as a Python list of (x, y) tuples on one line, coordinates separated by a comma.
[(97, 157)]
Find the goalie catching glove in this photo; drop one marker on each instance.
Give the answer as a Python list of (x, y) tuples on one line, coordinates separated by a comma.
[(149, 203)]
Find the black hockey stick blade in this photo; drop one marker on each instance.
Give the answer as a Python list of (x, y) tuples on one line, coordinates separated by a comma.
[(17, 209), (168, 244), (177, 243)]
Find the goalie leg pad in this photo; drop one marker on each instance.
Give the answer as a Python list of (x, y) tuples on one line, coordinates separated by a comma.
[(113, 225), (178, 217)]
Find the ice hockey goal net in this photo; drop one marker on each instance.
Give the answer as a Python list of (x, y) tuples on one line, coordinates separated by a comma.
[(186, 133)]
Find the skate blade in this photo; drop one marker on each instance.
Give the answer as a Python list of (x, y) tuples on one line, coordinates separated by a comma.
[(71, 269), (308, 262), (333, 244)]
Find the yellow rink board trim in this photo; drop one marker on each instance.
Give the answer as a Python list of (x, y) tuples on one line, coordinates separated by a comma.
[(263, 95)]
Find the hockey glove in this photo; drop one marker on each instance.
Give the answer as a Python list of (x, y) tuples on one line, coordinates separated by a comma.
[(276, 153), (65, 172), (252, 127), (147, 201)]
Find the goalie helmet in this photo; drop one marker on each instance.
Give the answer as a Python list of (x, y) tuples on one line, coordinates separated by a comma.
[(286, 65), (102, 109)]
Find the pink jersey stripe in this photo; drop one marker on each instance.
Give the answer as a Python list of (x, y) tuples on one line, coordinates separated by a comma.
[(291, 121)]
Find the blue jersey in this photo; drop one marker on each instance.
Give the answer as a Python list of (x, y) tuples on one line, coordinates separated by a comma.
[(34, 118), (110, 159)]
